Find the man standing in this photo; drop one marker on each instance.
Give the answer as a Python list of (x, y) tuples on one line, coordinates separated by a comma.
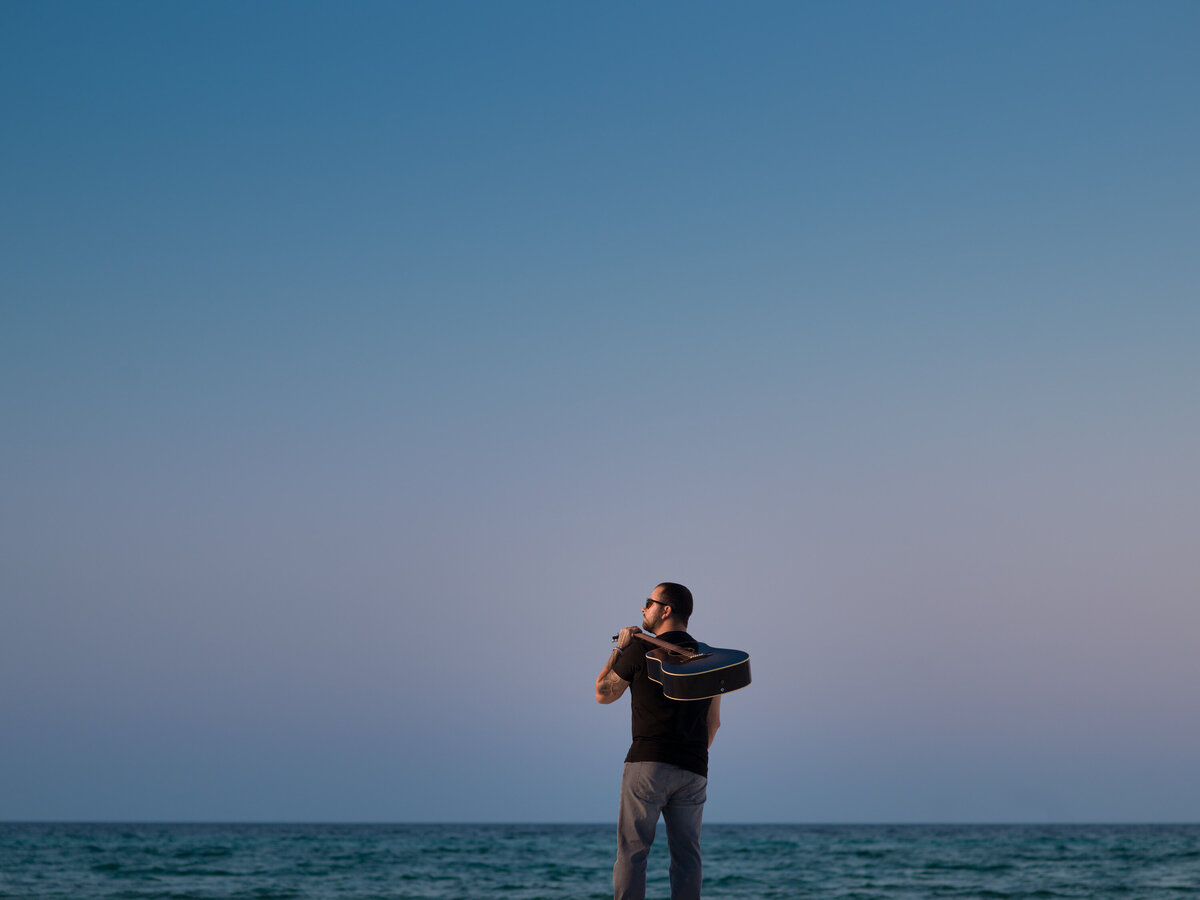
[(666, 769)]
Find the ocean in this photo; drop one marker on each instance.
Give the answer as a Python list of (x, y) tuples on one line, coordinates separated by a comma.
[(573, 862)]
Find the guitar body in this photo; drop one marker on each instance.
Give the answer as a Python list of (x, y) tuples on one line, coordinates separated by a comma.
[(710, 672)]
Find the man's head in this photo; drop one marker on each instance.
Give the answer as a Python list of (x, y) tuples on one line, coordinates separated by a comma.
[(668, 608)]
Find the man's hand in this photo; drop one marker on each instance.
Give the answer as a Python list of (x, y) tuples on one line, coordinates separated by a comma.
[(625, 638)]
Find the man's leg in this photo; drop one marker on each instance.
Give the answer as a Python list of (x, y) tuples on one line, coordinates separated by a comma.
[(682, 814), (641, 801)]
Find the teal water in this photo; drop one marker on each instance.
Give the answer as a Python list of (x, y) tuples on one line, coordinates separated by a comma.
[(531, 862)]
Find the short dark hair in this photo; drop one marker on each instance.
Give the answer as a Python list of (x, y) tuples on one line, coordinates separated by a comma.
[(678, 598)]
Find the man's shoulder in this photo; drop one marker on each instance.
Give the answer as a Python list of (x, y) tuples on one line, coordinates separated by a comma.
[(678, 637)]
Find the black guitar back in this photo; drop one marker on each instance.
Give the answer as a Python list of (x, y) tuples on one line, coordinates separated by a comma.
[(712, 671)]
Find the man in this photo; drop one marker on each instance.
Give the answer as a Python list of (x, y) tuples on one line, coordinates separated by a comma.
[(666, 769)]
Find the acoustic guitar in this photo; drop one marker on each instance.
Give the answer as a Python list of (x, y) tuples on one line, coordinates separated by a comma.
[(695, 674)]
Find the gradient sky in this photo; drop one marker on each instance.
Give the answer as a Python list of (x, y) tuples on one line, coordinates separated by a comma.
[(365, 365)]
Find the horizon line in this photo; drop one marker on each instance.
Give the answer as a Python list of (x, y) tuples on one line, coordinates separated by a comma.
[(383, 823)]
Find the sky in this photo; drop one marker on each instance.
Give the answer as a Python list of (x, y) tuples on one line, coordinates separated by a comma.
[(364, 366)]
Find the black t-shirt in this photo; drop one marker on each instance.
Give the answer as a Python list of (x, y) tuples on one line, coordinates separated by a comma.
[(670, 731)]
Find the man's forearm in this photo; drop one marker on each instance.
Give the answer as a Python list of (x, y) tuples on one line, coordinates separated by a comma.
[(612, 658), (714, 719), (609, 685)]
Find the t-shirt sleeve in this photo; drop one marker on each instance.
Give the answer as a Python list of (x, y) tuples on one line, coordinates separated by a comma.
[(627, 664)]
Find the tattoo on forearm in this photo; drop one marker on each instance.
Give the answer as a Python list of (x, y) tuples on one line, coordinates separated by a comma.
[(606, 685)]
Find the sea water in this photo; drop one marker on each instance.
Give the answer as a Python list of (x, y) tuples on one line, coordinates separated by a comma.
[(530, 862)]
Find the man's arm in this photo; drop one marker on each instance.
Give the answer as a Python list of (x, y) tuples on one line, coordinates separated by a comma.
[(609, 685), (714, 718)]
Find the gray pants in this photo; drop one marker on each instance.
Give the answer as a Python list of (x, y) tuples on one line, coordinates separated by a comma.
[(647, 789)]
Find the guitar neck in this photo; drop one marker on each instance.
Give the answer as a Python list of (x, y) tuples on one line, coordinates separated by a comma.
[(668, 646)]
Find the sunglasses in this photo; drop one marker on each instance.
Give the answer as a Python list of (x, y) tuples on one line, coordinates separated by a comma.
[(646, 605)]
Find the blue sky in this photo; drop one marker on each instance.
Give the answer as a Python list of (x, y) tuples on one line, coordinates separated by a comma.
[(364, 367)]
